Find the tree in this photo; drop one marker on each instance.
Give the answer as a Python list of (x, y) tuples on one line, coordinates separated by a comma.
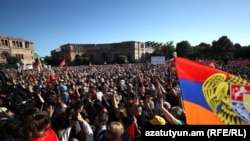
[(168, 49), (78, 60), (157, 51), (85, 60), (12, 61), (237, 50), (246, 52), (183, 49), (122, 59), (202, 51), (135, 61), (222, 47), (48, 60)]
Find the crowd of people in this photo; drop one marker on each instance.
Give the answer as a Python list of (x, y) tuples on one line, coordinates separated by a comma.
[(90, 103)]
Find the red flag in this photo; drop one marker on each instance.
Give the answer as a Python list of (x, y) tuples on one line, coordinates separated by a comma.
[(39, 65), (62, 63), (128, 134), (50, 78)]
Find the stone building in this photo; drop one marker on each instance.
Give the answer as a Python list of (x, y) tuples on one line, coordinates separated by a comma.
[(102, 53), (11, 46)]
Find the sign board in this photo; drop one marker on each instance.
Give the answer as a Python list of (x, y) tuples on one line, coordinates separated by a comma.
[(28, 67), (157, 60)]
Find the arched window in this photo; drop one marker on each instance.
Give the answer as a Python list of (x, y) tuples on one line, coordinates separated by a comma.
[(4, 55)]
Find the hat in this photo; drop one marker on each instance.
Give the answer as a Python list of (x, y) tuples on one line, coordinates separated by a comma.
[(157, 120), (63, 88)]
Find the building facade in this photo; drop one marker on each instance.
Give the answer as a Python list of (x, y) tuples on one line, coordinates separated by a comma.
[(102, 53), (11, 46)]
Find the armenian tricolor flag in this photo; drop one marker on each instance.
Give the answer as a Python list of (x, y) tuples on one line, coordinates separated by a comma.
[(209, 94), (129, 134)]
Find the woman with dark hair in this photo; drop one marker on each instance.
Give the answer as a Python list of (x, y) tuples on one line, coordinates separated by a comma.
[(38, 128)]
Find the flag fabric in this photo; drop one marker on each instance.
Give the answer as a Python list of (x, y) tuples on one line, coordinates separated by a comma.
[(128, 134), (209, 94), (62, 63), (50, 78), (39, 65)]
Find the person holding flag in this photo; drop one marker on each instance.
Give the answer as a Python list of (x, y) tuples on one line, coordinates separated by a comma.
[(39, 65), (62, 64), (208, 94)]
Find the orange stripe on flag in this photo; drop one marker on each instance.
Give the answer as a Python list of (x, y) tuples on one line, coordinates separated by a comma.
[(198, 115)]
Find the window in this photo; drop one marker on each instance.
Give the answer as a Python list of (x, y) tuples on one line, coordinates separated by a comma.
[(14, 43), (20, 56), (6, 43), (20, 44), (17, 43), (2, 42), (26, 44)]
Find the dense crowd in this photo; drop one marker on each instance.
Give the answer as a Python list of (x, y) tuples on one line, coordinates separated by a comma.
[(91, 103)]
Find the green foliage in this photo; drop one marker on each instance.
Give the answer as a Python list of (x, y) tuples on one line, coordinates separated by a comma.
[(135, 61), (81, 60), (184, 49), (48, 60), (85, 60), (12, 61), (223, 46), (217, 50), (122, 59), (165, 50)]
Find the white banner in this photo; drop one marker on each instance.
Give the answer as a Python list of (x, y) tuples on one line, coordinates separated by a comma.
[(157, 60), (28, 67)]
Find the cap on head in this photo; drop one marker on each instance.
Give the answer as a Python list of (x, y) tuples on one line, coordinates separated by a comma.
[(157, 120), (63, 88)]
